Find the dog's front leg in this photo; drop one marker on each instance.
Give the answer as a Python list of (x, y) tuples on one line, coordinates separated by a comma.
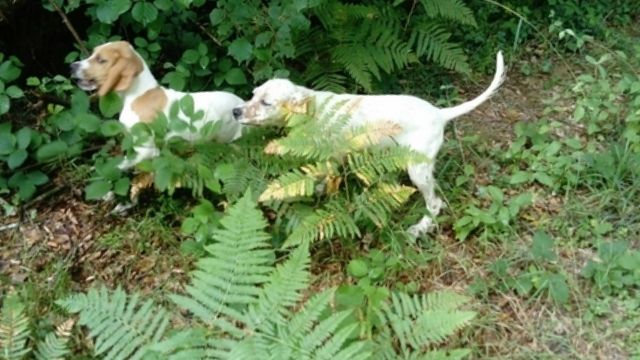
[(422, 177), (143, 152)]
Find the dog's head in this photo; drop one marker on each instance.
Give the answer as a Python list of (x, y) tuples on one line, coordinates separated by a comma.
[(112, 66), (271, 102)]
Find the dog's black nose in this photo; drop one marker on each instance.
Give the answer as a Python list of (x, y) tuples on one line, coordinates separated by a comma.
[(74, 67), (237, 112)]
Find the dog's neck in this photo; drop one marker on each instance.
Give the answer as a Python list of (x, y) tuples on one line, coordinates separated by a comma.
[(142, 83)]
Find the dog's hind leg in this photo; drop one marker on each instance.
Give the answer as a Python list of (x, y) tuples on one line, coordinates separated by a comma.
[(422, 177)]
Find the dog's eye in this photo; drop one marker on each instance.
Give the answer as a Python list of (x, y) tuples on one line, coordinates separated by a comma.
[(101, 60), (264, 103)]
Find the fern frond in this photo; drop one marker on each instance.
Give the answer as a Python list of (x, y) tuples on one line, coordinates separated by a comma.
[(289, 185), (330, 119), (419, 321), (121, 327), (377, 204), (326, 82), (303, 321), (229, 279), (183, 345), (332, 346), (432, 41), (14, 329), (333, 219), (321, 169), (283, 290), (454, 10), (373, 164), (245, 176), (371, 134), (358, 62), (54, 345), (306, 336), (332, 13)]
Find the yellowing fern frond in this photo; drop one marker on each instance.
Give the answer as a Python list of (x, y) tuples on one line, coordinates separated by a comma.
[(320, 169), (371, 134), (293, 184), (274, 148)]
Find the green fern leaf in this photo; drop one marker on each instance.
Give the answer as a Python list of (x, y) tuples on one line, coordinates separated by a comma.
[(183, 345), (378, 203), (121, 327), (54, 346), (283, 291), (228, 279), (449, 9), (303, 321), (331, 349), (14, 329), (420, 321), (374, 164), (333, 219), (432, 41)]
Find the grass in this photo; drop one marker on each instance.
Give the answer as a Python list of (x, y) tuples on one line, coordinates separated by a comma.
[(528, 289)]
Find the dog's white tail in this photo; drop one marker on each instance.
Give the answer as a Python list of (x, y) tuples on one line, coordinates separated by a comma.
[(498, 78)]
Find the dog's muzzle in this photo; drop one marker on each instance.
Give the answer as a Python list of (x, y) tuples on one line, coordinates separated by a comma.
[(76, 73)]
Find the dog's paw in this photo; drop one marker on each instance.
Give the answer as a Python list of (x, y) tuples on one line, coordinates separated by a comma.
[(424, 226), (108, 197), (125, 165), (121, 209)]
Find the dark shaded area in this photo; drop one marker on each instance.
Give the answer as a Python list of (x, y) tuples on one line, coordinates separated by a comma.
[(37, 37)]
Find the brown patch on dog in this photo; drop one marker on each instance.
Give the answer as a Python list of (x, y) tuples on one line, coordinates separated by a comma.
[(148, 105), (113, 66)]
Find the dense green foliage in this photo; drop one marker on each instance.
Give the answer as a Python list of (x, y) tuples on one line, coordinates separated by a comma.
[(314, 262)]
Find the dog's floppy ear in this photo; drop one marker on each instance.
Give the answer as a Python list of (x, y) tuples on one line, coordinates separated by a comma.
[(121, 74), (300, 95), (298, 103)]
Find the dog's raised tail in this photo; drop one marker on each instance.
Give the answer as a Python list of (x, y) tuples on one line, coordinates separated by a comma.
[(498, 78)]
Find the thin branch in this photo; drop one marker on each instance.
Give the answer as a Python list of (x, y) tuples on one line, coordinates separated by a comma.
[(210, 35), (73, 31), (53, 99), (9, 226)]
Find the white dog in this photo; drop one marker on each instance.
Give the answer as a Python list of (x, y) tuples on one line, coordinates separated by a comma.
[(117, 66), (422, 124)]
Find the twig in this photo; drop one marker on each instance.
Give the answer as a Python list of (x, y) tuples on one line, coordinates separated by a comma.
[(43, 196), (53, 99), (413, 7), (210, 35), (9, 226), (73, 31)]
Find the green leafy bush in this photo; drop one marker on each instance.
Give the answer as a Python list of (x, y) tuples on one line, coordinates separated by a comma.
[(327, 43), (25, 153), (9, 72)]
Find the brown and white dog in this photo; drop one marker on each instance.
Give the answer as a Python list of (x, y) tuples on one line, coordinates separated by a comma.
[(117, 66)]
